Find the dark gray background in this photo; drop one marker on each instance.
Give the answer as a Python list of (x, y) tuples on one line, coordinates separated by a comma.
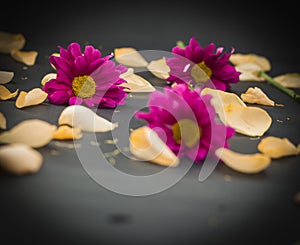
[(61, 203)]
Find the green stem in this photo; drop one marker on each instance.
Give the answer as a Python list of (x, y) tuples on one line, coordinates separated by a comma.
[(288, 91), (180, 44)]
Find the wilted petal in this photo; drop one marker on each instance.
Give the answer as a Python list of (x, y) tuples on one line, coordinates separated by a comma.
[(261, 61), (5, 94), (20, 159), (159, 68), (33, 97), (289, 80), (10, 41), (256, 96), (47, 78), (79, 116), (2, 121), (6, 76), (65, 132), (33, 132), (146, 145), (244, 163), (26, 57), (129, 57), (276, 147)]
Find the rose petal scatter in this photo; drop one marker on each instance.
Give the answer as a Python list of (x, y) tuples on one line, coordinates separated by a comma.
[(186, 121), (202, 66), (85, 78)]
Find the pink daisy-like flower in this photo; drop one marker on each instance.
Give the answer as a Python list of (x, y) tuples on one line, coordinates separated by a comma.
[(186, 121), (85, 78), (197, 66)]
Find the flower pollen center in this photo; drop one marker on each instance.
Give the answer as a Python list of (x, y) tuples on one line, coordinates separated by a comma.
[(201, 72), (84, 86), (187, 131)]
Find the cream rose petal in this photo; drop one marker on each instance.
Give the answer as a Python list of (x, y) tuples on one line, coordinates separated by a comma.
[(251, 121), (2, 121), (5, 94), (20, 159), (146, 145), (244, 163), (79, 116), (6, 76), (259, 60), (35, 96), (289, 80), (129, 56), (65, 132), (249, 72), (159, 68), (256, 96), (11, 41), (276, 147), (221, 98), (25, 57), (47, 78), (33, 132), (135, 83)]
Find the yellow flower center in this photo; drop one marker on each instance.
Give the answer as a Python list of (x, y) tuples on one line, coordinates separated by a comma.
[(201, 72), (84, 86), (188, 131)]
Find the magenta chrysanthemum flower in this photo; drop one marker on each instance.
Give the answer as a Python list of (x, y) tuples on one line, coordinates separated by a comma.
[(186, 121), (196, 65), (85, 78)]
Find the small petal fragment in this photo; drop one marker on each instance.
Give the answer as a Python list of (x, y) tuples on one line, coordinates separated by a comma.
[(251, 121), (20, 159), (6, 76), (78, 116), (261, 61), (256, 96), (289, 80), (244, 163), (276, 147), (2, 121), (65, 132), (26, 57), (10, 41), (33, 132), (129, 57), (48, 77), (146, 145), (159, 68), (5, 94), (135, 83), (35, 96)]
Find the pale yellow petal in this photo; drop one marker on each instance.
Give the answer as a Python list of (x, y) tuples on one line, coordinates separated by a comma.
[(129, 56), (146, 145), (2, 121), (35, 96), (6, 76), (135, 83), (20, 159), (159, 68), (47, 78), (56, 55), (10, 41), (5, 94), (249, 72), (33, 132), (222, 98), (289, 80), (244, 163), (276, 147), (263, 62), (78, 116), (256, 96), (26, 57), (65, 132), (251, 121)]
